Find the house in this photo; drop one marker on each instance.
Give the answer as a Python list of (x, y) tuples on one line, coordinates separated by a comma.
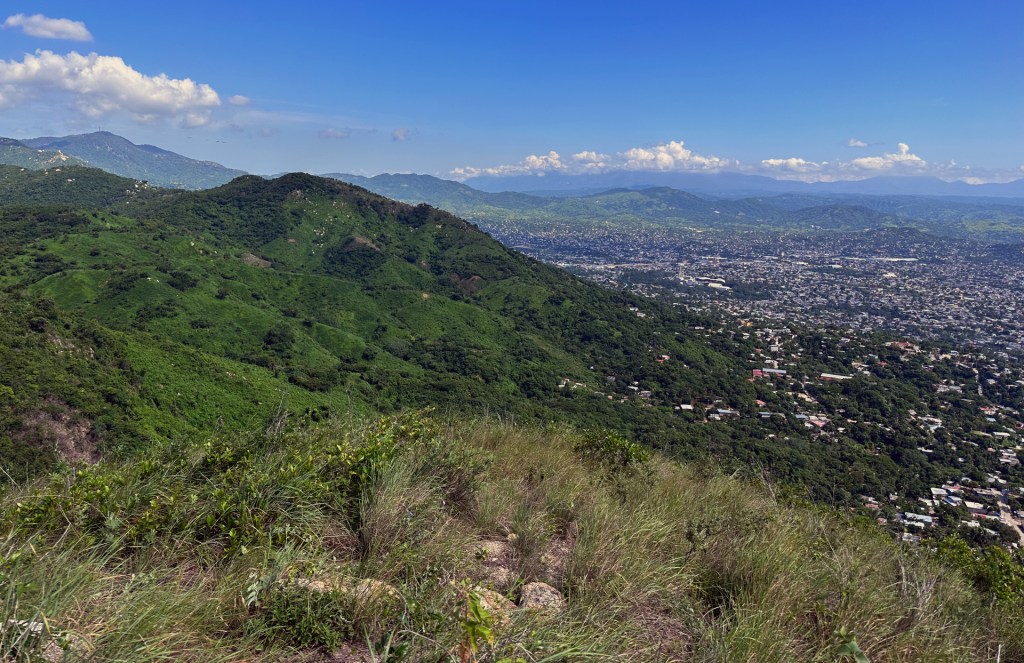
[(976, 508)]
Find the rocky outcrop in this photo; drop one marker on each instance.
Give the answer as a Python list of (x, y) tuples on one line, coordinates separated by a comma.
[(542, 598)]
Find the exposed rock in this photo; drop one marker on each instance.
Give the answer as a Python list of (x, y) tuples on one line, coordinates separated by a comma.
[(555, 559), (255, 261), (62, 428), (495, 550), (499, 607), (369, 590), (543, 598), (361, 243), (363, 590), (315, 585), (497, 558), (501, 578)]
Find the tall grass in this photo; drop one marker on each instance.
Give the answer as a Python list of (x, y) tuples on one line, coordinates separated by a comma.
[(283, 543)]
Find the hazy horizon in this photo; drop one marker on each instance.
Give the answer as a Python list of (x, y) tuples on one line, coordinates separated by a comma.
[(804, 92)]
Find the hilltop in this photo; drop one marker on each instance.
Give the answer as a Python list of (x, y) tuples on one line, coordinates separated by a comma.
[(117, 155), (190, 431), (16, 153), (409, 539)]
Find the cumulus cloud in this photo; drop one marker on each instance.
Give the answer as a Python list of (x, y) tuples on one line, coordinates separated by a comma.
[(38, 25), (901, 162), (674, 156), (792, 164), (239, 100), (902, 158), (856, 142), (670, 156), (99, 85), (402, 134), (335, 134)]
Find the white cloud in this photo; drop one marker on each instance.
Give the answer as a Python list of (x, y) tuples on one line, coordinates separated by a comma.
[(99, 85), (38, 25), (670, 156), (902, 159), (239, 100), (674, 156), (856, 142), (402, 133), (792, 164), (335, 134)]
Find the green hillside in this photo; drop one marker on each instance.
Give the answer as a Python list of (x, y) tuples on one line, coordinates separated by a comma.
[(195, 467), (16, 153), (114, 154), (305, 295)]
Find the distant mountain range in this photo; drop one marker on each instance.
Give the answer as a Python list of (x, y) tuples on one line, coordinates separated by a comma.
[(168, 169), (507, 214), (117, 155), (738, 184)]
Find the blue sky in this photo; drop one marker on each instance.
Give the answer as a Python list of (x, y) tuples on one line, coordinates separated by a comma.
[(809, 90)]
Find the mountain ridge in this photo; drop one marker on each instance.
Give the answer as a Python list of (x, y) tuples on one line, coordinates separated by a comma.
[(741, 184), (120, 156)]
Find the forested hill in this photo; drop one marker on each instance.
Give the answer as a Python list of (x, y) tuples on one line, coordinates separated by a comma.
[(227, 307), (114, 154)]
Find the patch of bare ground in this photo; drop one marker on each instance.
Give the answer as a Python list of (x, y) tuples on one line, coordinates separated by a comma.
[(361, 243), (350, 652), (62, 428), (255, 261), (555, 559), (664, 637), (497, 558)]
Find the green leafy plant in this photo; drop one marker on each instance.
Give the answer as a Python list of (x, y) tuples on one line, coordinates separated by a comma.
[(848, 648)]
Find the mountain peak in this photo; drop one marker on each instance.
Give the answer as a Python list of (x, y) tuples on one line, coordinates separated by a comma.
[(120, 156)]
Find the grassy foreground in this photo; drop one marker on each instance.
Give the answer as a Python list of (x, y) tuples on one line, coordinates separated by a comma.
[(381, 540)]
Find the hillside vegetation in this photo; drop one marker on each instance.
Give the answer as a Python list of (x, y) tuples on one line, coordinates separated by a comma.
[(408, 539), (217, 308), (117, 155), (195, 467)]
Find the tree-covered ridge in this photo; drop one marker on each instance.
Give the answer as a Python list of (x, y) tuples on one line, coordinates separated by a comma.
[(16, 153), (75, 186), (117, 155), (310, 295)]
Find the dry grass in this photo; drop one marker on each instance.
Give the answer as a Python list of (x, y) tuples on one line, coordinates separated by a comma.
[(658, 561)]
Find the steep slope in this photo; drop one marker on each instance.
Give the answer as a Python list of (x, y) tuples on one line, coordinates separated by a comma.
[(307, 295), (16, 153), (75, 186), (120, 156), (425, 540)]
